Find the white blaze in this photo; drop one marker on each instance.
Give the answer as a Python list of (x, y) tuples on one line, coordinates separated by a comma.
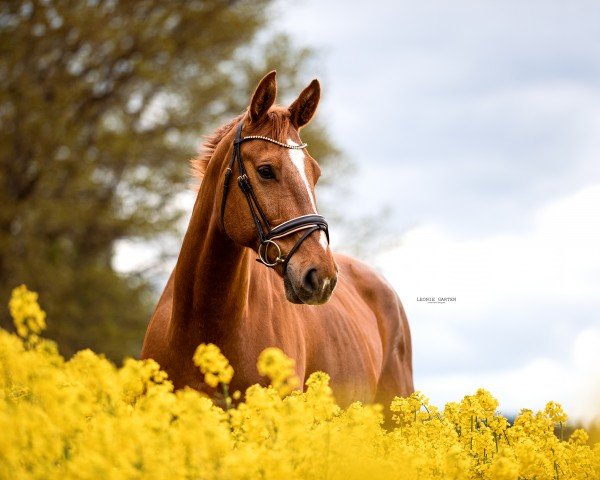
[(298, 160), (297, 157), (323, 240)]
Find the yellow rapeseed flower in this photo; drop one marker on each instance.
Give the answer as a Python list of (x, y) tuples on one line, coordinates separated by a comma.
[(29, 319), (213, 364), (555, 412), (280, 369)]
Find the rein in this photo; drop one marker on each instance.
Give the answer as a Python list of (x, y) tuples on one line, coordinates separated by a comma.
[(267, 234)]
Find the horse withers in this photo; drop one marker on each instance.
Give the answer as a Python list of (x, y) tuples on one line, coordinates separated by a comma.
[(327, 311)]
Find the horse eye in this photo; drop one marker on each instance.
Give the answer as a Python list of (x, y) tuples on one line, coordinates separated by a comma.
[(266, 171)]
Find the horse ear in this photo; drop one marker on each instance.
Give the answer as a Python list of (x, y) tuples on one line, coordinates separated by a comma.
[(304, 107), (263, 97)]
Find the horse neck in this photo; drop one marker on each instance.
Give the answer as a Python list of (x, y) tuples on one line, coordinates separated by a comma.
[(211, 276)]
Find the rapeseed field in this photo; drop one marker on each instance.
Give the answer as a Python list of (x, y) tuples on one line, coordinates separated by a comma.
[(84, 418)]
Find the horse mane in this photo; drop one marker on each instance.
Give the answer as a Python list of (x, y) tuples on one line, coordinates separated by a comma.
[(278, 118)]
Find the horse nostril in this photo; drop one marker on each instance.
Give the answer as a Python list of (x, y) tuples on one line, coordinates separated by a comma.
[(311, 281)]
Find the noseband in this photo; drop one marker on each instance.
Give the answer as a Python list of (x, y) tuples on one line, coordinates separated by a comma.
[(267, 234)]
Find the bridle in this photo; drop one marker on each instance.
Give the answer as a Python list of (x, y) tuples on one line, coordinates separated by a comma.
[(267, 234)]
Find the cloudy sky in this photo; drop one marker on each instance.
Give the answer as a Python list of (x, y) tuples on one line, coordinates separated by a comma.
[(478, 125)]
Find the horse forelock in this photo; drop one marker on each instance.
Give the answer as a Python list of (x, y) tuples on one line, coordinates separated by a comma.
[(276, 125)]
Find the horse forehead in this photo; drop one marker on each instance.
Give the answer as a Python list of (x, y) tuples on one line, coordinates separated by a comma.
[(298, 159)]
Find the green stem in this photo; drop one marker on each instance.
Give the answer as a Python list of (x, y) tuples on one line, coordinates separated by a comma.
[(561, 432), (227, 396)]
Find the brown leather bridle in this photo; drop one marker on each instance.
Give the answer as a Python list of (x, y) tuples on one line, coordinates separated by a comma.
[(267, 234)]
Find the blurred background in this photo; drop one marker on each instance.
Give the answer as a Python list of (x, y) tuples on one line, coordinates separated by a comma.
[(459, 143)]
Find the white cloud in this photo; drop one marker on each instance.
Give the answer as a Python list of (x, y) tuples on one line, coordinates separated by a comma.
[(526, 306), (132, 256), (575, 384), (558, 257)]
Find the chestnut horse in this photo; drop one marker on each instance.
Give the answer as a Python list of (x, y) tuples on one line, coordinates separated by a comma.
[(357, 333)]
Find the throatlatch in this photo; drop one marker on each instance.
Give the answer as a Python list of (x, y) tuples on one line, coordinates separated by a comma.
[(267, 234)]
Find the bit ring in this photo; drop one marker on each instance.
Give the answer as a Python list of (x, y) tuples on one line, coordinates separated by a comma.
[(263, 253)]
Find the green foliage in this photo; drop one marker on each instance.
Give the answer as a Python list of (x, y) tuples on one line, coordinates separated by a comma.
[(102, 103)]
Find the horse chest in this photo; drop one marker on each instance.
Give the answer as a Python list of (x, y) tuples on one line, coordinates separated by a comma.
[(350, 352)]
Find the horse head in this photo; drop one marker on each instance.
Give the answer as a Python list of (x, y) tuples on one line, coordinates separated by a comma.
[(268, 198)]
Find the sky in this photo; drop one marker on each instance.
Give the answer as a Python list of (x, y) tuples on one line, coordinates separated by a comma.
[(476, 126)]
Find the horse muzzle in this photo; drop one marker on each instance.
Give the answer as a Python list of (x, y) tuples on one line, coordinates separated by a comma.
[(311, 285)]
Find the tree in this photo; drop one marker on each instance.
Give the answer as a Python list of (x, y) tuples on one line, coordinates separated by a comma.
[(102, 103)]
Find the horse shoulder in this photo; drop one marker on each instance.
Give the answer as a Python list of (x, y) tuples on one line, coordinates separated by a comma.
[(385, 304)]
